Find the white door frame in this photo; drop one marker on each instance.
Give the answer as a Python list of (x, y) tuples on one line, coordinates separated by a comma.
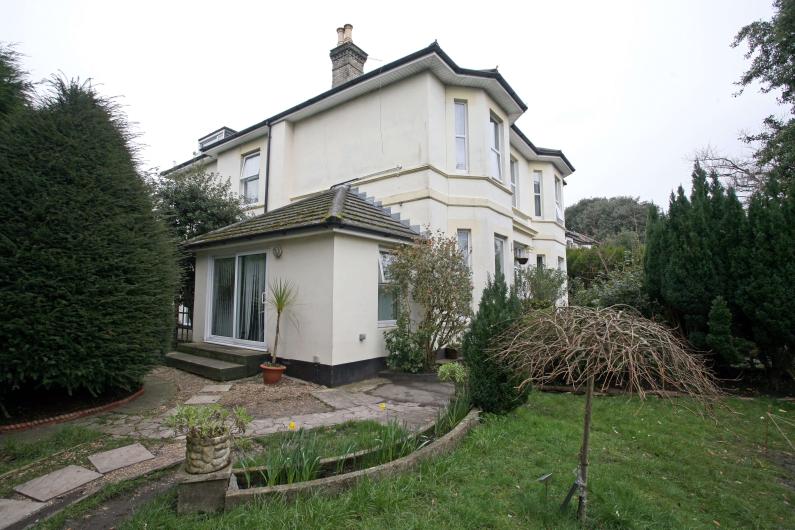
[(232, 341)]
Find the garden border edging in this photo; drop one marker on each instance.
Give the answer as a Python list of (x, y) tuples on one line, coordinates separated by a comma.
[(236, 497)]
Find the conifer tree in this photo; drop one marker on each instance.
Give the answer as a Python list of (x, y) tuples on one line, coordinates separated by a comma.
[(87, 273), (492, 386)]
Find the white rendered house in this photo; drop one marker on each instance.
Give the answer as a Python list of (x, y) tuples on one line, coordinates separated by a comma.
[(419, 142)]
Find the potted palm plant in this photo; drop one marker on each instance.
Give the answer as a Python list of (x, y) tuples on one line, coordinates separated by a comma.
[(209, 430), (280, 297)]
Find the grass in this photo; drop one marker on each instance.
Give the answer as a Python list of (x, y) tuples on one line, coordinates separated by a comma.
[(85, 506), (652, 466), (21, 461)]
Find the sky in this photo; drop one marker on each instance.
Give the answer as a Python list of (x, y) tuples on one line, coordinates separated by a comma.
[(628, 90)]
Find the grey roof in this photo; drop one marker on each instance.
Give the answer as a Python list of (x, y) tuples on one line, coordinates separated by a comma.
[(339, 207)]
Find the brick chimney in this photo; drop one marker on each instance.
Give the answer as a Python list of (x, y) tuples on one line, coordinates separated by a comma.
[(347, 59)]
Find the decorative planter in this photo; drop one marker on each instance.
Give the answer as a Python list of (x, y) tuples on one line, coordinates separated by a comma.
[(272, 374), (207, 455)]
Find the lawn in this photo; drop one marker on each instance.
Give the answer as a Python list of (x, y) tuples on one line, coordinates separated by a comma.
[(21, 461), (653, 466)]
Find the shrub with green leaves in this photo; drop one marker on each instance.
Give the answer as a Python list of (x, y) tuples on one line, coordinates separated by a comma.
[(405, 352), (492, 386), (88, 273), (539, 287), (208, 421)]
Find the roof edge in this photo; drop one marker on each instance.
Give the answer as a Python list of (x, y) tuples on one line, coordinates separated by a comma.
[(543, 151)]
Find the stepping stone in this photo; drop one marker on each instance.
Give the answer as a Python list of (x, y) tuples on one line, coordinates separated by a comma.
[(203, 399), (12, 511), (57, 483), (216, 388), (122, 457)]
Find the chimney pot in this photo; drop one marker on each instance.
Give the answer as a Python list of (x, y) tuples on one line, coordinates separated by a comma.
[(347, 59)]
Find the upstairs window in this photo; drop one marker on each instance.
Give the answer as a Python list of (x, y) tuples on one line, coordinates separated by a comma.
[(461, 155), (387, 301), (559, 199), (537, 193), (249, 178), (499, 255), (495, 148), (515, 182), (465, 245)]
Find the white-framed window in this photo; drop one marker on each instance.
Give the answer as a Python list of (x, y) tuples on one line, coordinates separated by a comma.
[(465, 244), (559, 199), (515, 182), (461, 131), (387, 301), (495, 147), (211, 139), (499, 255), (561, 263), (541, 261), (537, 177), (249, 178)]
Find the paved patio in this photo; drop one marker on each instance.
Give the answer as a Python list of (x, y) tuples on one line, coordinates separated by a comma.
[(412, 401)]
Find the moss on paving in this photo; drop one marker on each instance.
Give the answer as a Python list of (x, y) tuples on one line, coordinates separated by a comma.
[(653, 466)]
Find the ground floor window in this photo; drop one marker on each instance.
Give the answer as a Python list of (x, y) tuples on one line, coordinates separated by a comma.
[(238, 289), (387, 301), (541, 260)]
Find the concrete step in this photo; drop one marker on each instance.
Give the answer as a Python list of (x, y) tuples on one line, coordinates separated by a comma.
[(251, 359), (205, 367)]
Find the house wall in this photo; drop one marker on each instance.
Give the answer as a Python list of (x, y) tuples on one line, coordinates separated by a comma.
[(356, 300), (307, 262)]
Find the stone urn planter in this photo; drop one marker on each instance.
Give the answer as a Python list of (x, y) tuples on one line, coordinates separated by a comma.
[(208, 431), (207, 455)]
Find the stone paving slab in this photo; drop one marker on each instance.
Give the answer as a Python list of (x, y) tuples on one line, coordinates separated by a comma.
[(12, 511), (216, 388), (57, 483), (203, 399), (121, 457)]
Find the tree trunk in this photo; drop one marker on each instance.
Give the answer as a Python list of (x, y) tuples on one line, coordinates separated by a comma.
[(276, 340), (582, 479)]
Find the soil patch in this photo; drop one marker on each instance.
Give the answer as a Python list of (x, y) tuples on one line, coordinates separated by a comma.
[(32, 405), (288, 397)]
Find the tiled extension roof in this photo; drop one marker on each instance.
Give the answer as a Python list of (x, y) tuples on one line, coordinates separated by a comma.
[(339, 207)]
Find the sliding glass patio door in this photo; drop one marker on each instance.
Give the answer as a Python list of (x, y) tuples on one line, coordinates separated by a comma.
[(238, 287)]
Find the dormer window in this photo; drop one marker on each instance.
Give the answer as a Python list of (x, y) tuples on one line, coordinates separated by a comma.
[(249, 178), (495, 148)]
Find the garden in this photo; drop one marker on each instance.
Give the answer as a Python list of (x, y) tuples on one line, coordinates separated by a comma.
[(649, 386)]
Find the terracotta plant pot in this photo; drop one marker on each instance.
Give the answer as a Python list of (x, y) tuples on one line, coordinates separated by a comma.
[(207, 455), (272, 374)]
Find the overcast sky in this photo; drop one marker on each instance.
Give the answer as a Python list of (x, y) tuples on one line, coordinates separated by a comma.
[(628, 90)]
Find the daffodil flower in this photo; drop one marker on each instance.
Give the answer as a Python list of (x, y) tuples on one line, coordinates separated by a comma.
[(382, 406), (291, 426)]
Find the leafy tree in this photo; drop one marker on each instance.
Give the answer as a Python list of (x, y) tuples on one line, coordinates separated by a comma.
[(771, 48), (492, 385), (584, 265), (87, 272), (621, 286), (539, 287), (191, 204), (432, 275), (603, 218)]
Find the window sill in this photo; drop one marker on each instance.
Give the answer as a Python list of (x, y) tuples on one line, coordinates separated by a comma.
[(387, 323)]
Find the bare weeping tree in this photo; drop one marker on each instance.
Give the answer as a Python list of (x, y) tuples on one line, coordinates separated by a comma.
[(745, 175), (610, 348)]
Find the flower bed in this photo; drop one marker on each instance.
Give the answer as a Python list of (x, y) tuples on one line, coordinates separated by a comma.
[(336, 482)]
